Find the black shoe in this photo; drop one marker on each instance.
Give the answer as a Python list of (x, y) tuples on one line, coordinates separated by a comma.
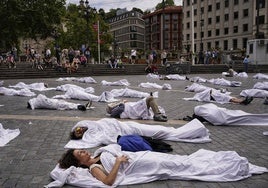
[(81, 107), (160, 117), (28, 105), (247, 100), (89, 104), (187, 118), (266, 101)]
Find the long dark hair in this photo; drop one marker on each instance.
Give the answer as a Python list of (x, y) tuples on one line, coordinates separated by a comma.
[(68, 159)]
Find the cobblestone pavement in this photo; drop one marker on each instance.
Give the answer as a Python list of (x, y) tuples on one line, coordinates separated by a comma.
[(28, 159)]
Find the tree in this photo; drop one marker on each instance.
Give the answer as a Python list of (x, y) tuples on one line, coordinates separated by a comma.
[(164, 3), (28, 18)]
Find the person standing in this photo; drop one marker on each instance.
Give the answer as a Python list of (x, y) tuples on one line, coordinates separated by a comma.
[(246, 62), (133, 56), (164, 57)]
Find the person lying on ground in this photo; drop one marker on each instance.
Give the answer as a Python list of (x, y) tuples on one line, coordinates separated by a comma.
[(122, 82), (43, 102), (106, 130), (12, 92), (223, 116), (224, 82), (155, 85), (136, 110), (34, 86), (261, 76), (212, 95), (127, 92), (261, 85), (132, 142), (256, 93), (174, 77), (73, 93), (111, 166)]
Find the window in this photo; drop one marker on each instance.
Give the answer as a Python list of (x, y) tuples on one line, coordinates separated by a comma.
[(245, 40), (226, 17), (188, 25), (202, 34), (195, 12), (209, 8), (261, 19), (209, 20), (195, 23), (267, 48), (209, 45), (226, 31), (251, 48), (236, 2), (235, 15), (217, 19), (218, 6), (217, 44), (195, 35), (235, 29), (234, 44), (217, 32), (245, 27), (225, 45), (188, 37), (188, 14), (226, 3), (245, 12), (209, 33)]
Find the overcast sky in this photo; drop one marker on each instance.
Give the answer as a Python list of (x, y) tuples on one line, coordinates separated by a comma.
[(129, 4)]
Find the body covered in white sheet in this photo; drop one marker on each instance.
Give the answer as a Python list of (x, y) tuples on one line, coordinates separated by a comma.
[(222, 116), (211, 95), (76, 94), (13, 92), (126, 92), (106, 130), (34, 86), (155, 85), (224, 82), (257, 93), (43, 102), (147, 166), (122, 82)]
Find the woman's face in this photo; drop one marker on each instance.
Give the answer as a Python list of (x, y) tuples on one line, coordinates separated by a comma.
[(79, 131), (83, 156)]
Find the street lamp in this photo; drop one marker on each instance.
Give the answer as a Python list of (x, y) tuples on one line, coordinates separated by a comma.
[(84, 6)]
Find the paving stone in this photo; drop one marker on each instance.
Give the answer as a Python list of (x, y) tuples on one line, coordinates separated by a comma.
[(35, 152)]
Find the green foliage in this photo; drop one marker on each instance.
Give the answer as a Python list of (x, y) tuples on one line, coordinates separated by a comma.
[(28, 18), (164, 3)]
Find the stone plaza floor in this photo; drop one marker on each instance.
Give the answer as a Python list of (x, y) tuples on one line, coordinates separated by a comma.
[(27, 160)]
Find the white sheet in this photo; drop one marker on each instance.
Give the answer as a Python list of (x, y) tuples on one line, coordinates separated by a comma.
[(258, 93), (12, 92), (224, 82), (6, 135), (198, 79), (261, 76), (72, 93), (222, 116), (106, 130), (152, 76), (205, 96), (34, 86), (155, 85), (122, 82), (175, 77), (261, 85), (83, 79), (43, 102), (65, 87), (126, 92), (147, 166)]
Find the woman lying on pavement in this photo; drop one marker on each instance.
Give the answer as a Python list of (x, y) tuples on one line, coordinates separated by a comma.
[(113, 167)]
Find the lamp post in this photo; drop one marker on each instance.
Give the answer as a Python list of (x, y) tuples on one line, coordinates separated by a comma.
[(86, 10), (163, 37)]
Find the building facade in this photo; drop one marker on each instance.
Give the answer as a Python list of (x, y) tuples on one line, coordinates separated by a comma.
[(223, 24), (163, 29), (128, 31)]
